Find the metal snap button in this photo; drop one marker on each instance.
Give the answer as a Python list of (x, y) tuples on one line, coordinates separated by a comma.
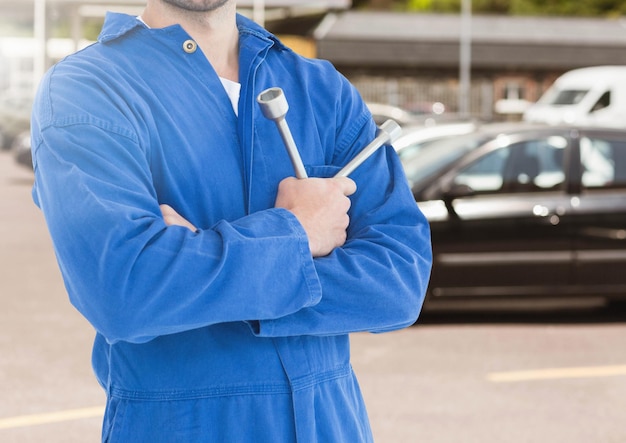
[(189, 46)]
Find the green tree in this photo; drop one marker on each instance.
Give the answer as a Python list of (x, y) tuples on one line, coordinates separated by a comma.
[(569, 7), (521, 7), (419, 5)]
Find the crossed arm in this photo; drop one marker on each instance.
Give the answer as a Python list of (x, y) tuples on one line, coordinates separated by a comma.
[(320, 204)]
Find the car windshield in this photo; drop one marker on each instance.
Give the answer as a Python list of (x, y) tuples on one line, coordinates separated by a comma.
[(437, 154), (564, 97)]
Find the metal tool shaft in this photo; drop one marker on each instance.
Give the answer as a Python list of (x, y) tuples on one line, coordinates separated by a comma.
[(274, 107), (389, 132)]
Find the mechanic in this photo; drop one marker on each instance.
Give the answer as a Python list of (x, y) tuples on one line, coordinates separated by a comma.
[(222, 289)]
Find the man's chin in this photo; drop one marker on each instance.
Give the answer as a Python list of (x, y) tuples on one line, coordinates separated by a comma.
[(197, 5)]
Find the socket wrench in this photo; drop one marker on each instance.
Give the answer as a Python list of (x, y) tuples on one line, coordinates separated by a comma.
[(274, 106)]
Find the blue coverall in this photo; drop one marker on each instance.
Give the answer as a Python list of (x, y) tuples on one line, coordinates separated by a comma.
[(232, 333)]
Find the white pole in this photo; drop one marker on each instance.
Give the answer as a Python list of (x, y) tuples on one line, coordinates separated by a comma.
[(39, 57), (465, 58), (77, 27), (258, 12)]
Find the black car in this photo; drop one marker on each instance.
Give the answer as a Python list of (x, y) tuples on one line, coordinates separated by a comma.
[(524, 213)]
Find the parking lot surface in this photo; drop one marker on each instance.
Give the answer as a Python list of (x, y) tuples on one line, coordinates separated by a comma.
[(493, 378)]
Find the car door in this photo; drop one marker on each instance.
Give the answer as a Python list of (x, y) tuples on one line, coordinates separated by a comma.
[(499, 231), (599, 215)]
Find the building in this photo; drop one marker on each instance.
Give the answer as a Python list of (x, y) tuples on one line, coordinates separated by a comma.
[(406, 59), (412, 60)]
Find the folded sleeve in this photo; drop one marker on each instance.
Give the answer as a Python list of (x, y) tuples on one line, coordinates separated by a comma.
[(377, 280), (133, 277)]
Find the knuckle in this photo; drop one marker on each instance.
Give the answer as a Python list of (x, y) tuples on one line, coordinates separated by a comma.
[(345, 222), (347, 203)]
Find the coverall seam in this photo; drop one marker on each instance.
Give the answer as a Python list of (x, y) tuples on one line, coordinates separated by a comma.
[(218, 391), (295, 385), (310, 380)]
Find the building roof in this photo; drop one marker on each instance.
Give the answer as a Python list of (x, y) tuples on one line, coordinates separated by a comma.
[(432, 40)]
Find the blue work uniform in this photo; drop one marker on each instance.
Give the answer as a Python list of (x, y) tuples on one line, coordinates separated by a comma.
[(232, 333)]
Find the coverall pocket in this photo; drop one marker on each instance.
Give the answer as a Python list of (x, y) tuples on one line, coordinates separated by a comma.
[(322, 171)]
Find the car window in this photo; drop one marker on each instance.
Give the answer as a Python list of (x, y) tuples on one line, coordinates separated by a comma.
[(485, 174), (532, 165), (603, 163), (603, 102), (411, 151), (564, 96), (438, 154)]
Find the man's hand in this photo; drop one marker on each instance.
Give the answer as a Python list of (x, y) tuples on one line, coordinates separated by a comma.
[(172, 217), (321, 206)]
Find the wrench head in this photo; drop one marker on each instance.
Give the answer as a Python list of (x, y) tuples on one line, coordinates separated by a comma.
[(273, 103), (392, 130)]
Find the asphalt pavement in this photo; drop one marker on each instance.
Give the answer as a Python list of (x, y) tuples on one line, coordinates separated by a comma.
[(449, 379)]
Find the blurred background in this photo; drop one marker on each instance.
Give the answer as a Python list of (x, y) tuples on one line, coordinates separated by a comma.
[(486, 59), (442, 69)]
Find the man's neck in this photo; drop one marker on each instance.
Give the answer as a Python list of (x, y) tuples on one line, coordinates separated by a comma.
[(215, 32)]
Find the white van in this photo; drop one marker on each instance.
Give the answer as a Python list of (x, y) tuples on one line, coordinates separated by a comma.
[(594, 96)]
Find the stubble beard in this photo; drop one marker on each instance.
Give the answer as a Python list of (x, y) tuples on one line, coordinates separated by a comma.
[(197, 5)]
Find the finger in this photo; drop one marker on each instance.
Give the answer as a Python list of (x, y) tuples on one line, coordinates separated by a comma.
[(166, 209), (348, 186), (173, 218)]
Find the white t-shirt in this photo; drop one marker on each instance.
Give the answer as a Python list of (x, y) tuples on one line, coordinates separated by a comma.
[(233, 90)]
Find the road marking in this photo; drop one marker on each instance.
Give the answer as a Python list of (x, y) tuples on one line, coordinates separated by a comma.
[(51, 417), (557, 373)]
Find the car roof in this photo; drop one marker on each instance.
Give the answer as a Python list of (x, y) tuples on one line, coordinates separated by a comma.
[(382, 112), (511, 128), (415, 134)]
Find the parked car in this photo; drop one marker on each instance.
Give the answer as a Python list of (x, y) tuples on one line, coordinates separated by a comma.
[(524, 213), (14, 117), (592, 96), (415, 137), (21, 149), (417, 114), (383, 112)]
